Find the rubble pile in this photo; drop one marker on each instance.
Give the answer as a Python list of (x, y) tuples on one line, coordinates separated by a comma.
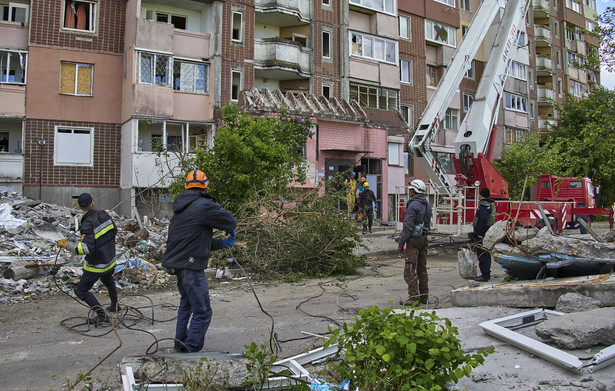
[(32, 265), (532, 253)]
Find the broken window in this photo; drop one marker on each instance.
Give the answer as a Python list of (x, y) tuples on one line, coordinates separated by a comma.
[(76, 79), (190, 77), (440, 33), (73, 147), (154, 69), (13, 66), (161, 135), (4, 141), (373, 47), (14, 12), (235, 85), (80, 15), (178, 21), (375, 97)]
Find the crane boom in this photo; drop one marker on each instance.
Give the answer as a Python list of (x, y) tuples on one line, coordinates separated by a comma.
[(460, 63)]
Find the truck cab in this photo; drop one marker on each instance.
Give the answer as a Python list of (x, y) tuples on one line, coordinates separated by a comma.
[(566, 189)]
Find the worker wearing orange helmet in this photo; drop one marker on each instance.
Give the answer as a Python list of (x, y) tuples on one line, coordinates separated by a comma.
[(189, 243)]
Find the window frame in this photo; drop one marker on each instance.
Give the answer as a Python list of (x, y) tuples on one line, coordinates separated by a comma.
[(73, 146), (379, 95), (362, 44), (5, 69), (326, 49), (470, 73), (451, 117), (11, 9), (387, 6), (394, 154), (170, 17), (465, 5), (408, 75), (577, 89), (239, 85), (196, 65), (446, 2), (517, 70), (78, 66), (431, 71), (467, 100), (167, 82), (241, 26), (407, 32), (451, 33), (515, 102), (92, 17), (407, 113)]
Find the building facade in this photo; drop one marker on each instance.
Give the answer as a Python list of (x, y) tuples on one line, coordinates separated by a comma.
[(108, 96)]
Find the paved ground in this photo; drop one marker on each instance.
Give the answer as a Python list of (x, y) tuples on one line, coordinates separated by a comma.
[(38, 351)]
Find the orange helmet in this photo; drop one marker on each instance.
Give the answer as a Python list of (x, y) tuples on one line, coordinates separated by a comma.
[(196, 178)]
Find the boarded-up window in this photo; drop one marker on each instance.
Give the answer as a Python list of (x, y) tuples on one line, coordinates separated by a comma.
[(74, 146), (76, 79)]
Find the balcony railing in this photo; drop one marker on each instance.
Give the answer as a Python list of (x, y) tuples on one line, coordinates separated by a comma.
[(281, 53), (542, 35), (301, 9), (544, 63), (541, 8), (545, 94)]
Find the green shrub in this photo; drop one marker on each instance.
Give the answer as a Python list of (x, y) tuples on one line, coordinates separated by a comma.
[(387, 349)]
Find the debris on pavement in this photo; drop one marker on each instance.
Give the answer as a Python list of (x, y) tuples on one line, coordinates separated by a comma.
[(29, 230)]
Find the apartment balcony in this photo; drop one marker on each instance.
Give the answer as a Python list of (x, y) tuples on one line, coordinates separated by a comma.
[(14, 35), (281, 59), (542, 36), (282, 13), (541, 8), (544, 66), (163, 37), (544, 123), (545, 95)]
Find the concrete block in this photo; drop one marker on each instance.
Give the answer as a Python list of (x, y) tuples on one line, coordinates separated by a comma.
[(535, 293), (544, 242), (574, 302), (580, 330), (467, 263)]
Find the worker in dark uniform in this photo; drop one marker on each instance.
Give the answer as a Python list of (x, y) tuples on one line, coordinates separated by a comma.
[(367, 199), (483, 219), (98, 245), (189, 244)]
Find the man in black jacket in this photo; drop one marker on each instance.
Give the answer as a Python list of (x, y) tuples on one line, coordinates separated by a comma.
[(189, 244), (98, 245), (483, 219), (367, 199)]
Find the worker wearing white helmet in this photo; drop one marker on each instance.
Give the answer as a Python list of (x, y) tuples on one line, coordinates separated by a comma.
[(414, 237)]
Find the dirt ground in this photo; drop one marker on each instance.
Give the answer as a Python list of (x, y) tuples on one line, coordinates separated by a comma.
[(40, 351)]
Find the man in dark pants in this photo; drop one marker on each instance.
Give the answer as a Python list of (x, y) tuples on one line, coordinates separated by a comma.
[(483, 219), (367, 199), (98, 245), (414, 235), (189, 244)]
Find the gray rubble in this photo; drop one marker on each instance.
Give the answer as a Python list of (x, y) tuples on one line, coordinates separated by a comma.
[(575, 302), (29, 230), (580, 329)]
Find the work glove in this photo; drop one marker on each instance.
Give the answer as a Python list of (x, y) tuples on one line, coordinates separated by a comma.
[(69, 246), (400, 248), (228, 242), (62, 243)]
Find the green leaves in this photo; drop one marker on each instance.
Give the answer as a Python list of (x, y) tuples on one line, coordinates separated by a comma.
[(384, 349)]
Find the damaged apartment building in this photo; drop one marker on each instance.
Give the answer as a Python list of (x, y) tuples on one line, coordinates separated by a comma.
[(91, 91)]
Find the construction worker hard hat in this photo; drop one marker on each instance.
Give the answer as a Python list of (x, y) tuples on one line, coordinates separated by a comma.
[(365, 184), (196, 179), (418, 186)]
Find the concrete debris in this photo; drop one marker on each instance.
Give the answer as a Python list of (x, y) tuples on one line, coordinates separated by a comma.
[(575, 302), (29, 230), (580, 330), (467, 263), (544, 242)]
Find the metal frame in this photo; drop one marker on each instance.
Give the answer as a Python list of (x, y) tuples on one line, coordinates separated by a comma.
[(502, 328)]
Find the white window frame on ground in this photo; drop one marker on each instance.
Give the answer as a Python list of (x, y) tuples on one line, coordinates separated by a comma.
[(190, 76), (577, 89), (372, 47), (405, 27), (517, 70), (155, 69), (434, 32), (407, 113), (515, 102), (374, 97), (91, 14), (386, 6), (468, 99), (13, 66), (394, 154), (447, 2), (76, 79), (236, 84), (237, 27), (326, 44), (451, 119), (405, 71), (15, 12), (465, 5), (73, 146)]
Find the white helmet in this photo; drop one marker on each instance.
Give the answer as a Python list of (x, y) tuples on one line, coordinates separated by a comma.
[(418, 186)]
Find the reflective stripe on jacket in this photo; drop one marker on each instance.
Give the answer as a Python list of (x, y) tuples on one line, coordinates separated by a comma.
[(98, 241)]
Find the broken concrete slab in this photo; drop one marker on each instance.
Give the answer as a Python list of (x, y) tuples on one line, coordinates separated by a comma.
[(544, 242), (467, 263), (580, 330), (500, 232), (535, 293), (574, 302)]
